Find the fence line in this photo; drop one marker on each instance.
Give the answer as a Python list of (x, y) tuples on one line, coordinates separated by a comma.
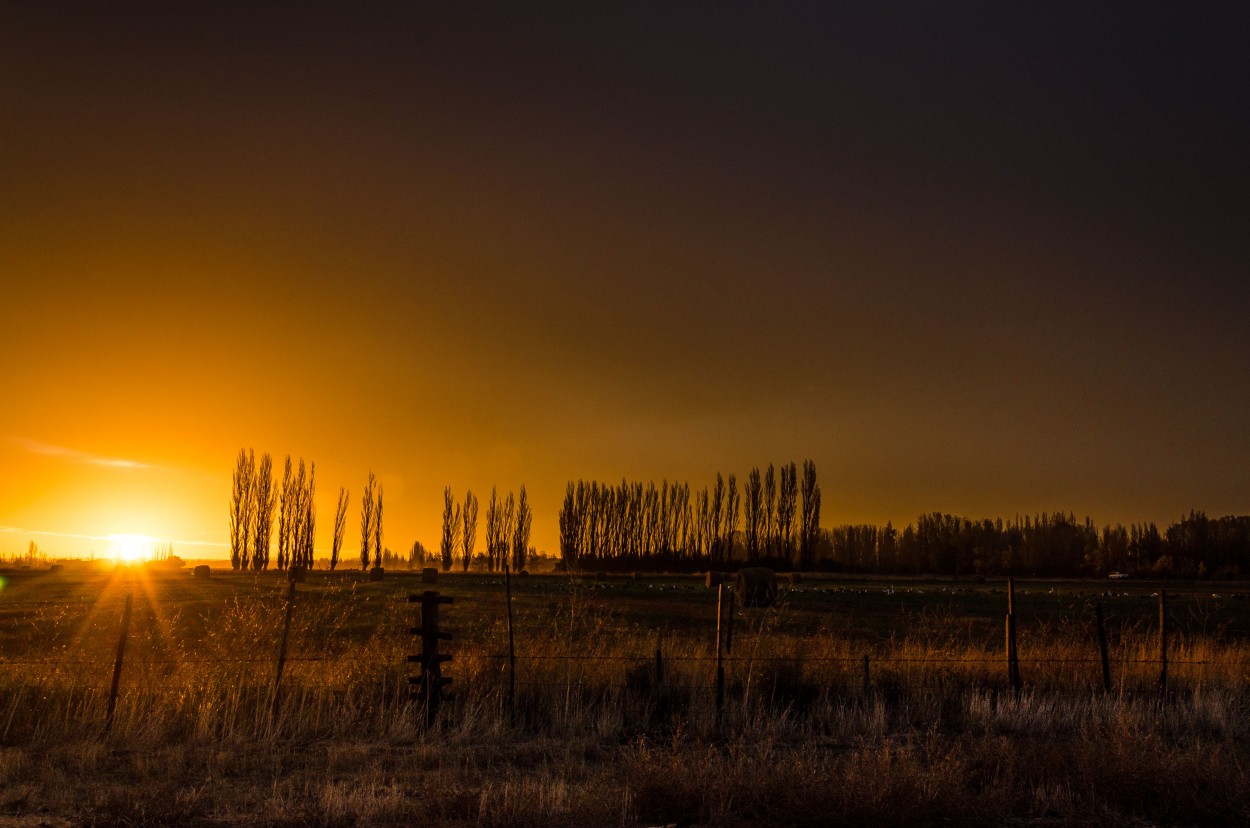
[(844, 659), (1163, 660)]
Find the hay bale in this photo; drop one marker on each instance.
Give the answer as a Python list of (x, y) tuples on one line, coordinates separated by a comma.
[(717, 578), (756, 586), (377, 573), (298, 574), (201, 571), (56, 568), (429, 575)]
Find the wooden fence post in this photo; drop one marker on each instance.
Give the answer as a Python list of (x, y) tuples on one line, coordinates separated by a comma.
[(431, 682), (1102, 647), (117, 664), (507, 585), (867, 676), (720, 666), (1013, 658), (1163, 641), (286, 633)]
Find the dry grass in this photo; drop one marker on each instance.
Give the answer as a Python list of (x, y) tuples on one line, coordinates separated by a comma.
[(595, 737)]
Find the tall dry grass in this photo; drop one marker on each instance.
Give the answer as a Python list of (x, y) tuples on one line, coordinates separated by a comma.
[(596, 735)]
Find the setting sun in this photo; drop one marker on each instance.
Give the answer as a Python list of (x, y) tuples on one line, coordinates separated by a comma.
[(128, 548)]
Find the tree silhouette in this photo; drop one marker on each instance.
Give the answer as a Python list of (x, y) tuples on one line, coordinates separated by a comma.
[(366, 521), (266, 500), (469, 536), (787, 506), (377, 528), (769, 523), (752, 517), (307, 533), (451, 529), (242, 506), (286, 514), (731, 517), (809, 526), (521, 533), (340, 526)]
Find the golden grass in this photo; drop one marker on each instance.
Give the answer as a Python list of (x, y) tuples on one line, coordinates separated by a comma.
[(595, 737)]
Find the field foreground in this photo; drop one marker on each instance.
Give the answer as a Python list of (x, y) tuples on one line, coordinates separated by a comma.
[(597, 732)]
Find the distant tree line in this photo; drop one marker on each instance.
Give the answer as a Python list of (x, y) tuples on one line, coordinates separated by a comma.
[(644, 526), (773, 520), (1046, 544)]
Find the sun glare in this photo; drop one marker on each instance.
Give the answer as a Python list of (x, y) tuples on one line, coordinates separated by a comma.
[(129, 548)]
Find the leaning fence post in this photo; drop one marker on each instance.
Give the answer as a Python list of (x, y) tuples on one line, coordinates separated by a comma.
[(117, 664), (286, 632), (1013, 658), (1102, 647), (1163, 641)]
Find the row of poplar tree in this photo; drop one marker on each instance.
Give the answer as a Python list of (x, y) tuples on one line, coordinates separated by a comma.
[(508, 523), (638, 525), (256, 497)]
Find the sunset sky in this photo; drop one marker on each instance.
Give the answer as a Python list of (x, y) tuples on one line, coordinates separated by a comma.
[(982, 258)]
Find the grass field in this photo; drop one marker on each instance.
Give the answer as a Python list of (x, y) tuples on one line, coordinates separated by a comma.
[(597, 734)]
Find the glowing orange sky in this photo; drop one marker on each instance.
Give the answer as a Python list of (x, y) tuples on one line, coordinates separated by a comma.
[(983, 265)]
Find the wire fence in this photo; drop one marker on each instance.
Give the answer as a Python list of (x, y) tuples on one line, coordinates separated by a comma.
[(92, 625)]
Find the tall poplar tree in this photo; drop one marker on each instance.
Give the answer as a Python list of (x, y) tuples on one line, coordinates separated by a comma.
[(521, 534), (266, 501), (242, 510), (377, 529), (340, 526), (809, 525), (752, 519), (787, 506), (469, 536), (451, 529), (366, 521)]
